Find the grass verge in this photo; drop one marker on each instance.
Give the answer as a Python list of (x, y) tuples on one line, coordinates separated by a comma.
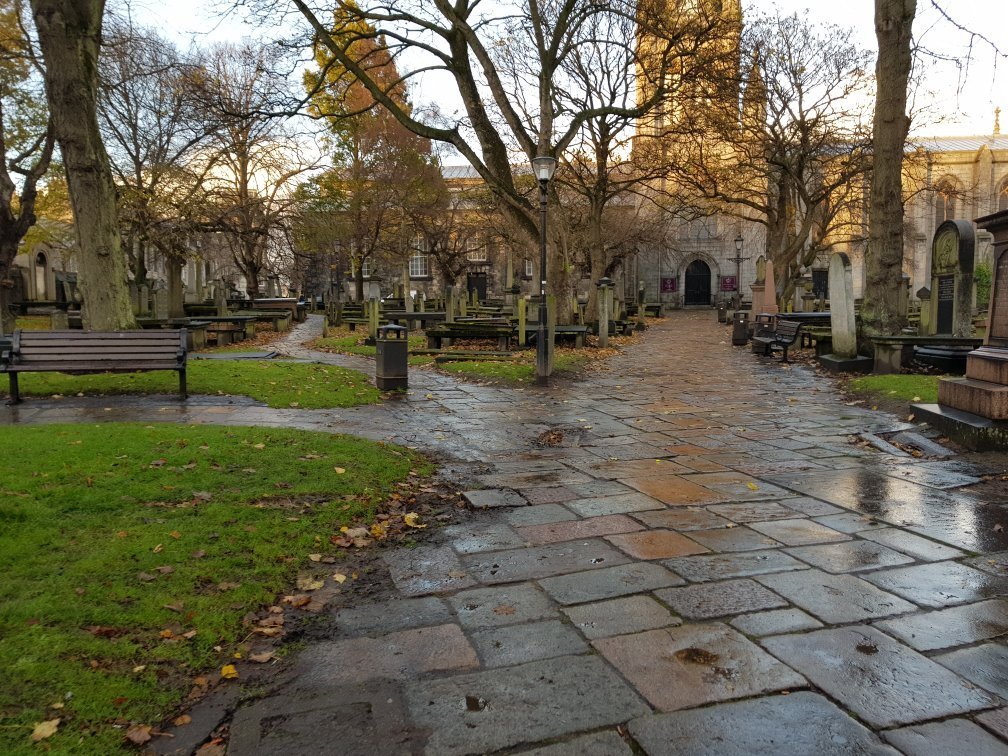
[(896, 388), (277, 384), (131, 553)]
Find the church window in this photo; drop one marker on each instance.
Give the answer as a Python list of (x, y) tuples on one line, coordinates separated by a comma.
[(1003, 196), (945, 202)]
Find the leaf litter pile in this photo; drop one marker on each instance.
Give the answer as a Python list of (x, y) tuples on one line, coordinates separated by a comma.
[(146, 565)]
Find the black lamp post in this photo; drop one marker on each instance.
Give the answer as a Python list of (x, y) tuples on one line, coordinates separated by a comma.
[(738, 260), (543, 166)]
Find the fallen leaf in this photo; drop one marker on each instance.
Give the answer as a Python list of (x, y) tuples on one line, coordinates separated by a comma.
[(258, 446), (182, 719), (998, 528), (202, 495), (178, 606), (159, 463), (228, 672), (298, 599), (752, 486), (165, 569), (412, 519), (167, 633), (157, 549), (339, 470), (265, 656), (45, 729), (309, 583), (138, 734), (339, 577), (504, 610), (315, 557)]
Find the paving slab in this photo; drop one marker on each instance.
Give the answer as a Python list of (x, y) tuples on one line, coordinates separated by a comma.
[(656, 544), (396, 656), (798, 532), (682, 518), (799, 724), (996, 721), (835, 599), (503, 605), (775, 622), (516, 644), (708, 600), (985, 665), (810, 507), (912, 544), (879, 679), (851, 522), (742, 564), (570, 530), (849, 556), (538, 515), (388, 616), (609, 582), (940, 584), (362, 718), (674, 490), (620, 616), (995, 564), (752, 512), (615, 504), (548, 495), (947, 628), (515, 565), (599, 744), (474, 537), (493, 498), (426, 570), (943, 738), (693, 665), (739, 538), (504, 708)]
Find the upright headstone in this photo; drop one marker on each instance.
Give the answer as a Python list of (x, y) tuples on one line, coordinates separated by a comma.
[(144, 296), (522, 306), (134, 294), (983, 391), (59, 320), (220, 298), (770, 293), (604, 288), (372, 308), (160, 301), (449, 304), (924, 295), (952, 256), (843, 323)]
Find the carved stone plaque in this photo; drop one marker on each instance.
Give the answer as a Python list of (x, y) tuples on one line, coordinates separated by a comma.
[(998, 328)]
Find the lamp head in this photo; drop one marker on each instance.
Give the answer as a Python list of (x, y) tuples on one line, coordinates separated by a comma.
[(543, 166), (738, 243)]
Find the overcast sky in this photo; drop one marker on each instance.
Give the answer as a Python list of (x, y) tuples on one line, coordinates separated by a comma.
[(965, 99)]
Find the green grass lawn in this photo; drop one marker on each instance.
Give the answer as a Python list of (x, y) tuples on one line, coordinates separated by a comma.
[(131, 553), (345, 341), (520, 371), (33, 323), (278, 384), (903, 388)]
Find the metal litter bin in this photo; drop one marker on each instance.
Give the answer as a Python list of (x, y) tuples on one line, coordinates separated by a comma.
[(740, 328), (391, 358)]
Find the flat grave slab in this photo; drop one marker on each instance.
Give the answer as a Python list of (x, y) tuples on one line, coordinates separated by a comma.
[(985, 665), (943, 738), (619, 616), (542, 561), (849, 556), (505, 605), (940, 584), (740, 564), (517, 644)]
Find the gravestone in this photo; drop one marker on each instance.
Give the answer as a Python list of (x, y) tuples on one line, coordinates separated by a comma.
[(973, 409), (220, 298), (924, 295), (843, 323), (134, 295), (450, 304), (160, 300), (952, 255), (604, 290)]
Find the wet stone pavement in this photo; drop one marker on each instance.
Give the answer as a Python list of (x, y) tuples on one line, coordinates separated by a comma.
[(706, 564)]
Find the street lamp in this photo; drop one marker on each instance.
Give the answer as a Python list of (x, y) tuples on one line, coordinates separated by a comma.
[(738, 260), (543, 166)]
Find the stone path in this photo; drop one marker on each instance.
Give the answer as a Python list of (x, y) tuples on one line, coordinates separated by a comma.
[(706, 564)]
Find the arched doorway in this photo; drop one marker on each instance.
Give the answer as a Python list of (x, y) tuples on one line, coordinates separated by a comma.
[(698, 284)]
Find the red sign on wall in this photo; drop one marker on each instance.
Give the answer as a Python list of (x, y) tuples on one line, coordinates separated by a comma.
[(727, 283), (669, 285)]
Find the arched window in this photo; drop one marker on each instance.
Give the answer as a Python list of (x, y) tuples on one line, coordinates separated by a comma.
[(1002, 202), (945, 205)]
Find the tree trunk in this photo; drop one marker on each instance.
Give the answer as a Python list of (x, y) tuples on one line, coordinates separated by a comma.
[(69, 34), (884, 256)]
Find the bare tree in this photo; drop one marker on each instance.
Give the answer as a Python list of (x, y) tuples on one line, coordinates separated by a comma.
[(258, 158), (794, 160), (26, 142), (156, 134), (70, 33)]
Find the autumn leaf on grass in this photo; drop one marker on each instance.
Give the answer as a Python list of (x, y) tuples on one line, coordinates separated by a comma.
[(45, 729), (228, 672), (138, 734), (379, 530), (339, 577), (339, 470), (298, 599), (752, 486), (413, 520), (263, 658)]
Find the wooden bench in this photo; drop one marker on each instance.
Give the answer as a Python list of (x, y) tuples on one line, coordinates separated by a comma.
[(78, 352), (784, 334)]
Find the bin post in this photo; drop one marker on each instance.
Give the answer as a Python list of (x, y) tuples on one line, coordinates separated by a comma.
[(392, 358)]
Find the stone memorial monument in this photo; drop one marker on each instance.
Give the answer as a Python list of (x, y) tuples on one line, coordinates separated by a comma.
[(973, 409), (843, 324), (770, 294), (758, 287), (952, 256)]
